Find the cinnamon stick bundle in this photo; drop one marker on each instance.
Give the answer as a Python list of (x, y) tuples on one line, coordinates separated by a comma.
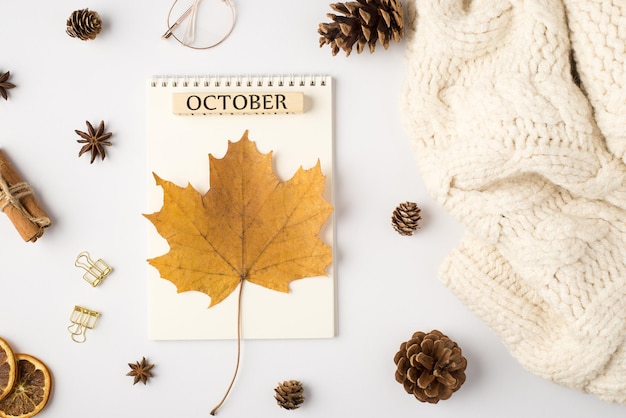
[(18, 202)]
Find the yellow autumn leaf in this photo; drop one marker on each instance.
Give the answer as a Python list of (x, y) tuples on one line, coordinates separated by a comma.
[(249, 226)]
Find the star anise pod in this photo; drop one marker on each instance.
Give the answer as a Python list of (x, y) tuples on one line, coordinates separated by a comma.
[(94, 141), (5, 85), (140, 371)]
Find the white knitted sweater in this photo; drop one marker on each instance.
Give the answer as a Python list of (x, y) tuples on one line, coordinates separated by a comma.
[(531, 165)]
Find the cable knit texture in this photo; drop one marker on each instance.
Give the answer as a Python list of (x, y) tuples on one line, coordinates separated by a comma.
[(509, 144), (598, 36)]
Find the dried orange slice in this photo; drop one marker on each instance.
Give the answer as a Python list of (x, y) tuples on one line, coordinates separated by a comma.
[(30, 391), (8, 368)]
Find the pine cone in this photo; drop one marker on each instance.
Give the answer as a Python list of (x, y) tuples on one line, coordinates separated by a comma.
[(84, 24), (365, 22), (430, 366), (289, 394), (405, 218)]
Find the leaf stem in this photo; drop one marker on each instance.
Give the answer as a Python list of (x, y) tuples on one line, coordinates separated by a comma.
[(232, 381)]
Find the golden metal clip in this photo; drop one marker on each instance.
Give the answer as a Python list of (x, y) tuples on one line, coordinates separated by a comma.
[(82, 319), (96, 271)]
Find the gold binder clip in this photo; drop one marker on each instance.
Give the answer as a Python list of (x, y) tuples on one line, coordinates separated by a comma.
[(82, 319), (96, 271)]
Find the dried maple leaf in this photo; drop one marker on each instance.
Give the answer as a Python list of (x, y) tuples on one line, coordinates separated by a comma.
[(249, 226)]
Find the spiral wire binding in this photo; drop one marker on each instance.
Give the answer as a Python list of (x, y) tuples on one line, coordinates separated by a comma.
[(238, 81)]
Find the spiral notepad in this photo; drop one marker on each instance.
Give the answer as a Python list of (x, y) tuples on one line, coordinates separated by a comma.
[(190, 117)]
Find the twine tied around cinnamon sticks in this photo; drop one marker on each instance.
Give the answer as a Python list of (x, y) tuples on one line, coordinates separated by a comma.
[(12, 194), (18, 202)]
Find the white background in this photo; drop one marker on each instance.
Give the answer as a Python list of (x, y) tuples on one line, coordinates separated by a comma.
[(387, 284)]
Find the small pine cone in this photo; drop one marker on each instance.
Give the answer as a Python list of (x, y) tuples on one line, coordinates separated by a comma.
[(364, 22), (289, 394), (84, 24), (405, 218), (430, 366)]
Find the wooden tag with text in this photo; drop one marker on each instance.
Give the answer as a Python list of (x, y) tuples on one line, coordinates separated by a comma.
[(208, 103)]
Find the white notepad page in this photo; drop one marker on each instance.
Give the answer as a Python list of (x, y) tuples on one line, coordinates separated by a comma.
[(177, 151)]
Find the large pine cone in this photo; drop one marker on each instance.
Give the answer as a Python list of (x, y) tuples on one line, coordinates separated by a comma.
[(430, 366), (365, 22), (405, 218), (289, 394), (84, 24)]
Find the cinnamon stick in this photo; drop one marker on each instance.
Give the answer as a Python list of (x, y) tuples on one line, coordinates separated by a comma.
[(19, 203)]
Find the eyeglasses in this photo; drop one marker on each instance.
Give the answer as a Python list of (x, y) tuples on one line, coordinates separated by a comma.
[(208, 22)]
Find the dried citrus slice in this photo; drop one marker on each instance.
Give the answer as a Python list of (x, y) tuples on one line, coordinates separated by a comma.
[(30, 391), (8, 368)]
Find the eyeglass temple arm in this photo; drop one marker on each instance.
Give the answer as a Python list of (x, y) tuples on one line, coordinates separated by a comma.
[(169, 31)]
